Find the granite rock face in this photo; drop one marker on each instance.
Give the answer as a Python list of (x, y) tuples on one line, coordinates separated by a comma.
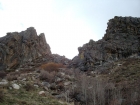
[(122, 40), (18, 48)]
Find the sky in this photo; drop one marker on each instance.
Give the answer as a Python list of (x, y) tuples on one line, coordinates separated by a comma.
[(67, 24)]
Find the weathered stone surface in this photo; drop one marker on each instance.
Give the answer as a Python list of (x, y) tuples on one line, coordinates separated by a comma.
[(15, 86), (122, 40), (18, 48), (67, 83), (42, 93), (3, 82), (60, 59), (53, 58), (46, 84)]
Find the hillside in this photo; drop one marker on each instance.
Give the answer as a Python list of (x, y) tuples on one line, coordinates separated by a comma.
[(105, 72)]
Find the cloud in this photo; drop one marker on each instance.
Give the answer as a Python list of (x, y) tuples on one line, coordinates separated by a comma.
[(1, 7)]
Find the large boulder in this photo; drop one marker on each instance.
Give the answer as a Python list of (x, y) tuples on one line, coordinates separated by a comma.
[(122, 40), (17, 48)]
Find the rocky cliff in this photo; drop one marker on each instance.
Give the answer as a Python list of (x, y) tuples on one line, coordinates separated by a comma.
[(18, 48), (122, 40)]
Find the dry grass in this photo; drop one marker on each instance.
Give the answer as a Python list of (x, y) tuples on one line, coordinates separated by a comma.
[(129, 71), (48, 76), (29, 87), (68, 71), (1, 96), (22, 97), (12, 76), (50, 67), (100, 91)]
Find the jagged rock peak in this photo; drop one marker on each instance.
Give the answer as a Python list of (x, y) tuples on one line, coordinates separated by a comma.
[(129, 25), (122, 40), (17, 48)]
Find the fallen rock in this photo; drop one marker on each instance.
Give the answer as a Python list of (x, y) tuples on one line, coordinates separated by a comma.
[(24, 79), (42, 93), (4, 82), (58, 79), (67, 83), (36, 86), (46, 84), (15, 86), (46, 88)]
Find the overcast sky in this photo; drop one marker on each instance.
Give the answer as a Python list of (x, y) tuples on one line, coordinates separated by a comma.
[(67, 24)]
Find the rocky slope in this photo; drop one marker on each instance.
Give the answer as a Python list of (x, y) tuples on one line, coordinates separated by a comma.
[(39, 77), (118, 86), (18, 48), (122, 40)]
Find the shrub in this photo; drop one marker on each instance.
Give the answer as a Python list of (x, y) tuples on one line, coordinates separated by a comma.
[(68, 71), (50, 67), (60, 86), (97, 91), (12, 76), (1, 96), (2, 74), (29, 87), (48, 76)]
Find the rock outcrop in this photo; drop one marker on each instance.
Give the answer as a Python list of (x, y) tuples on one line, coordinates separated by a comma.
[(19, 48), (122, 40), (52, 58)]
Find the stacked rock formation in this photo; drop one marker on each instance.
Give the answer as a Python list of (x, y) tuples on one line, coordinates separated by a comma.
[(18, 48), (122, 40)]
